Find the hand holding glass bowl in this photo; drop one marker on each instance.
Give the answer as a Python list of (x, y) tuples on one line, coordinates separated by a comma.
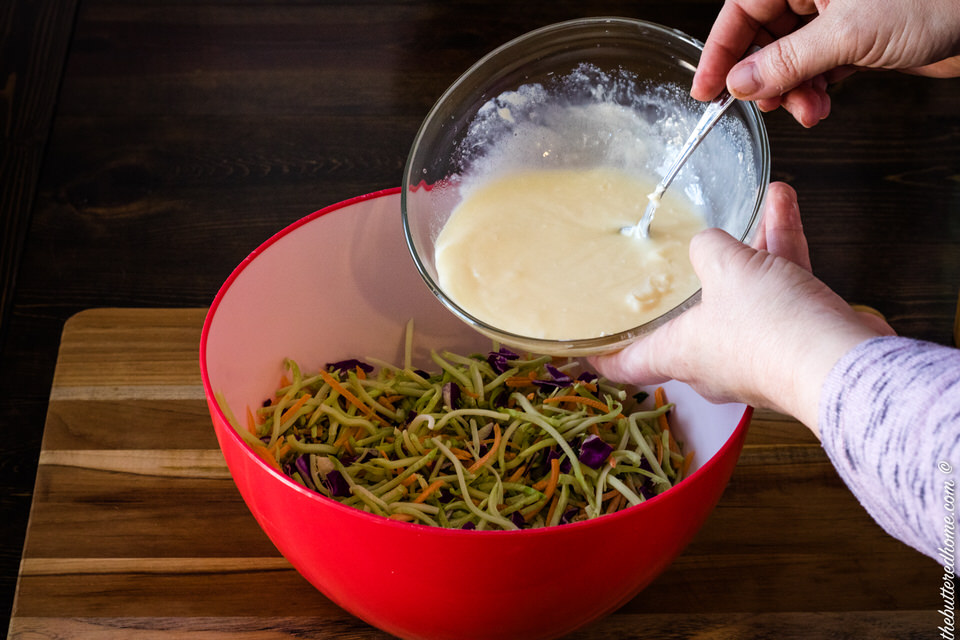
[(582, 95), (340, 284)]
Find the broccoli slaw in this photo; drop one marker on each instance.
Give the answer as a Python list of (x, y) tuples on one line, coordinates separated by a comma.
[(492, 440)]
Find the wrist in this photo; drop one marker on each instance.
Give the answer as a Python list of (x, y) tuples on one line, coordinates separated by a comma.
[(824, 341)]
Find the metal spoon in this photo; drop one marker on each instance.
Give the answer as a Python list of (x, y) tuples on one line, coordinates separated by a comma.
[(710, 117)]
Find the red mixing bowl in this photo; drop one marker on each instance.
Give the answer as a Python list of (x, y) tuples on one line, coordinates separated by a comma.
[(340, 283)]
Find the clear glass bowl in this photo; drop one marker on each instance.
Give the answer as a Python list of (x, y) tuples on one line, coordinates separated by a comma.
[(632, 65)]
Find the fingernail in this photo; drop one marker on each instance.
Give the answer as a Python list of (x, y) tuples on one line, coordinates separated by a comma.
[(743, 79)]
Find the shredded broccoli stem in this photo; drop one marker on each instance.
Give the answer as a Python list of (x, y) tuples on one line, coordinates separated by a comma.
[(401, 452)]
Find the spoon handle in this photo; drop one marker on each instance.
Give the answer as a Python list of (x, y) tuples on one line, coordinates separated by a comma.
[(711, 115), (708, 120)]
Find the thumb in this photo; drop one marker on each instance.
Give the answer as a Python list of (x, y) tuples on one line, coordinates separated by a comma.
[(672, 350), (789, 61), (713, 251)]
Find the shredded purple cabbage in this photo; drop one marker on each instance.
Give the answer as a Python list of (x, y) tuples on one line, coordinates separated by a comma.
[(565, 465), (337, 485), (517, 518), (500, 359), (451, 395), (559, 381), (594, 452), (569, 515), (558, 375), (349, 365), (304, 468), (647, 490), (588, 376)]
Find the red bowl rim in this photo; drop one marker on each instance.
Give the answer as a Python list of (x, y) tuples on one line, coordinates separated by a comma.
[(380, 520)]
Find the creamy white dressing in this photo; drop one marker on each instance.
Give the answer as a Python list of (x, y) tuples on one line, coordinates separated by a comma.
[(539, 253)]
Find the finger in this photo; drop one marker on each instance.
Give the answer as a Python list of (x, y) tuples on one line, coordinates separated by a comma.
[(809, 102), (732, 34), (786, 63), (640, 362), (760, 240), (873, 319), (712, 252), (948, 68), (783, 227), (877, 324), (840, 73), (769, 104)]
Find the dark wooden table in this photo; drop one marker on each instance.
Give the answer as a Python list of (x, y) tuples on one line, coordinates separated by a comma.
[(148, 146)]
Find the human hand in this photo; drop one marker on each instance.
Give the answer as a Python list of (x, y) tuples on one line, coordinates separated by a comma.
[(766, 331), (807, 44)]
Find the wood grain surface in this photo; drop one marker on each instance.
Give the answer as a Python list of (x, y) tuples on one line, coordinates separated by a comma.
[(137, 530), (149, 145)]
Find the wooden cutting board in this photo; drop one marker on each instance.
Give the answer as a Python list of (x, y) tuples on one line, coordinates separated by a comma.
[(137, 531)]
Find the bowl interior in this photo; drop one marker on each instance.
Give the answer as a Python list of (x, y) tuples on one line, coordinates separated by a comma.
[(581, 94), (340, 284)]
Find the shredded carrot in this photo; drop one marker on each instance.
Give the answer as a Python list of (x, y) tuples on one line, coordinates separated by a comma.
[(589, 386), (490, 451), (388, 401), (343, 440), (461, 453), (292, 409), (409, 480), (349, 397), (616, 503), (361, 374), (594, 429), (251, 422), (554, 477), (518, 473), (469, 394), (265, 455), (553, 507), (431, 488), (548, 490), (660, 399)]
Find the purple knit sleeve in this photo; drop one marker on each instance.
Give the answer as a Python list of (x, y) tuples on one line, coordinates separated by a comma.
[(890, 422)]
